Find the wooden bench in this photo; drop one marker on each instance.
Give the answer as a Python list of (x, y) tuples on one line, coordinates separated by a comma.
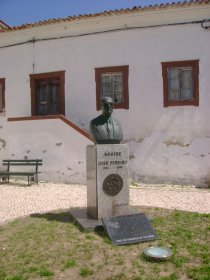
[(18, 163)]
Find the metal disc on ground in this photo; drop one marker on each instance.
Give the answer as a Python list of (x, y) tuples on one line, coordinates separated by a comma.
[(158, 253)]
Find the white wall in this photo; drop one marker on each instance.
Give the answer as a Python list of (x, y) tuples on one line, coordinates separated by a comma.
[(166, 144), (61, 148), (3, 137)]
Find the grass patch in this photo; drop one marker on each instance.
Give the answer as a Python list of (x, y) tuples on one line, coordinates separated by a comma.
[(46, 273), (70, 263), (85, 272), (51, 246)]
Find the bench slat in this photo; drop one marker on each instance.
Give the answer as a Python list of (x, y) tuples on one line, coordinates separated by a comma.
[(17, 173), (21, 164), (22, 160)]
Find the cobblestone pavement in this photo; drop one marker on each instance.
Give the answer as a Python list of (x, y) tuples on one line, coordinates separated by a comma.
[(17, 200)]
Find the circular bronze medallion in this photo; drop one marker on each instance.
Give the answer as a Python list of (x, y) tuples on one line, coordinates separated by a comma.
[(112, 184)]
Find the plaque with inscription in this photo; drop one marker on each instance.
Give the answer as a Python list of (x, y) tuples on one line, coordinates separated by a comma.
[(112, 184), (129, 229)]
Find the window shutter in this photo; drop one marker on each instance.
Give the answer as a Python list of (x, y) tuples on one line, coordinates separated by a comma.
[(174, 84), (187, 84), (106, 85), (42, 94), (118, 88)]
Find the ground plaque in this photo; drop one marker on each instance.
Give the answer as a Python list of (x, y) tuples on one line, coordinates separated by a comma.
[(129, 229)]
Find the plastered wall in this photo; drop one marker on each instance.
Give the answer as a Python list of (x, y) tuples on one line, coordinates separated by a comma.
[(166, 144)]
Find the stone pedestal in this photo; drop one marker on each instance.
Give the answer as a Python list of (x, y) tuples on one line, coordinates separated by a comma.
[(107, 180)]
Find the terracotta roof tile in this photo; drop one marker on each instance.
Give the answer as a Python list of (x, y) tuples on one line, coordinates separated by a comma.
[(4, 26), (112, 12)]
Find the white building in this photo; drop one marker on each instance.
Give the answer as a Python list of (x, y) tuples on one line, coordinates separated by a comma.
[(154, 61)]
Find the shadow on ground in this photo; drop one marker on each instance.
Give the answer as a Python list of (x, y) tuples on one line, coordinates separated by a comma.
[(63, 217), (17, 184)]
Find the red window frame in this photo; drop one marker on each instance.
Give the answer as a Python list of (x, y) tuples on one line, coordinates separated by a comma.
[(173, 64), (2, 82), (34, 77), (124, 69)]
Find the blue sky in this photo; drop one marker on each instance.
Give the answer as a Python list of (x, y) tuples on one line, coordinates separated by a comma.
[(18, 12)]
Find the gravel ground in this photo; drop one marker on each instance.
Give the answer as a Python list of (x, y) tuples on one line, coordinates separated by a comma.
[(18, 199)]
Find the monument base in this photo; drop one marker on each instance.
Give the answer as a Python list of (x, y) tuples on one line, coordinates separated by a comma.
[(88, 223), (84, 220), (107, 180)]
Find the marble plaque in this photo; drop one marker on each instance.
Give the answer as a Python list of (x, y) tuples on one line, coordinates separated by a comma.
[(129, 229), (107, 180)]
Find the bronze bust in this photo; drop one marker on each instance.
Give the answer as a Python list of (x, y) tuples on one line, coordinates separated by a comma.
[(104, 129)]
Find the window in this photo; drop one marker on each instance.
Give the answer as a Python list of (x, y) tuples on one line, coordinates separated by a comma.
[(47, 93), (112, 82), (180, 83), (2, 95)]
